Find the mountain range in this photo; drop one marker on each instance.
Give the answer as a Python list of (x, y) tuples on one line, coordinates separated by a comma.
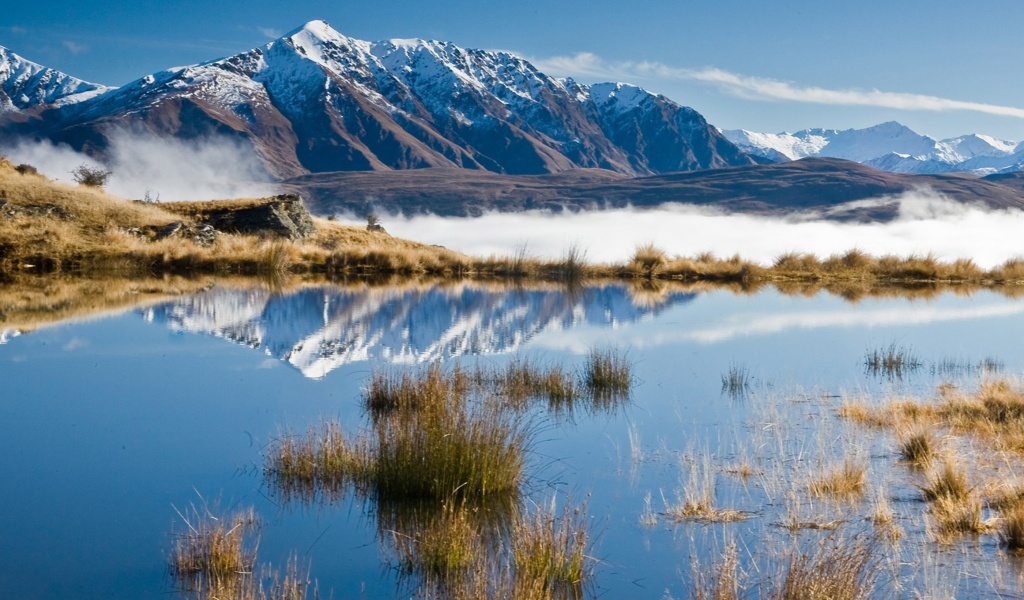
[(426, 126), (316, 101), (890, 147)]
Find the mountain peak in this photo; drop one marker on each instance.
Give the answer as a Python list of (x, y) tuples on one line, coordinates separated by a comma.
[(24, 84), (318, 29)]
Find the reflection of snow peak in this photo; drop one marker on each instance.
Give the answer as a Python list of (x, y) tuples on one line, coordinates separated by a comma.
[(319, 329)]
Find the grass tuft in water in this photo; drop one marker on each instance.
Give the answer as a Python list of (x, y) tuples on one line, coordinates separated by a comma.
[(1011, 526), (917, 447), (213, 552), (833, 569), (845, 481), (607, 376), (737, 381), (947, 480), (894, 361)]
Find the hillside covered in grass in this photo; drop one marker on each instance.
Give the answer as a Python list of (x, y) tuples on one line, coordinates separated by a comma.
[(47, 227)]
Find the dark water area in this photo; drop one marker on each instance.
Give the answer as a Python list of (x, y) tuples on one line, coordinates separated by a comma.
[(111, 427)]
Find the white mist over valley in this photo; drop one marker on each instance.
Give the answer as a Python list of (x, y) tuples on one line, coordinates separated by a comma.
[(927, 224)]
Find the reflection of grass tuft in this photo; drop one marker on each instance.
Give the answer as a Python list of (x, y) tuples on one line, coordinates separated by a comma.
[(551, 546)]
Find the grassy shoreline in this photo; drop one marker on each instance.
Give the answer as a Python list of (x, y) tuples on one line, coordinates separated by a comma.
[(48, 227)]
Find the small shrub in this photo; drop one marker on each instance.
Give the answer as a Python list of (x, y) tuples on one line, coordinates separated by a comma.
[(91, 176), (26, 169)]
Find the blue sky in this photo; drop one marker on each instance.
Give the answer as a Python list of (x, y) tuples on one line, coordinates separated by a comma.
[(943, 68)]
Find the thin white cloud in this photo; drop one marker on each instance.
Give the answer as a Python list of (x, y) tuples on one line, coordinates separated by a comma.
[(75, 47), (587, 64), (270, 32)]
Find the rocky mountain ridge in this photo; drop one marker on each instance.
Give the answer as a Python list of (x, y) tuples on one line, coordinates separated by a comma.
[(317, 101)]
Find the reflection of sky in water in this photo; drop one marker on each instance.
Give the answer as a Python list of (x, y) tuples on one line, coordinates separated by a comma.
[(107, 425)]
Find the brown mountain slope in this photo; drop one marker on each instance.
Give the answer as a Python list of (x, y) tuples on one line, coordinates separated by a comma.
[(834, 188)]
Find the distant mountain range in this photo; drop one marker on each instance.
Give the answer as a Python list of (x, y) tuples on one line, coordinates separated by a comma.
[(889, 147), (316, 101)]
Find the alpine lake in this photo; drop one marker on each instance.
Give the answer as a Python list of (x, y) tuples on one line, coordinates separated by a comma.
[(124, 432)]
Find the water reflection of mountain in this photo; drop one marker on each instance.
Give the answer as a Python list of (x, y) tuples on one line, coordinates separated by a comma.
[(318, 329)]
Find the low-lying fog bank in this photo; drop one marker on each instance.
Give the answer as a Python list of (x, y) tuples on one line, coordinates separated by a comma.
[(927, 223)]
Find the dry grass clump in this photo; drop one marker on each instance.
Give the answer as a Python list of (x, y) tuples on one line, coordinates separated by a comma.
[(319, 465), (607, 376), (1011, 526), (955, 516), (844, 481), (215, 559), (796, 263), (917, 446), (648, 260), (460, 447), (737, 381), (721, 581), (893, 361), (214, 552), (947, 480), (551, 546), (834, 569), (696, 500), (389, 391)]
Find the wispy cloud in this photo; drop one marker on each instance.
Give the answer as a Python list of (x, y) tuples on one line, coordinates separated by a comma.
[(75, 47), (587, 64), (270, 32)]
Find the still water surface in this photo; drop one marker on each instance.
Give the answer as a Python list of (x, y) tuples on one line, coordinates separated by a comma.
[(109, 426)]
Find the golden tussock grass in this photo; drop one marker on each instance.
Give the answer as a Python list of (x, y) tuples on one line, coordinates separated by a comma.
[(844, 481), (833, 568), (722, 581)]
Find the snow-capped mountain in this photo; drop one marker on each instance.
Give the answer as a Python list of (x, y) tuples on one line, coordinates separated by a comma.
[(25, 85), (318, 101), (316, 330), (889, 146)]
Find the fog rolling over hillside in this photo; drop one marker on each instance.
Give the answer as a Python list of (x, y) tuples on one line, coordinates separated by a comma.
[(316, 330), (317, 101)]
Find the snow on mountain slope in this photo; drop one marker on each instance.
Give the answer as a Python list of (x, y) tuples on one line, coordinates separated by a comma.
[(889, 146), (25, 84), (318, 101), (316, 330)]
